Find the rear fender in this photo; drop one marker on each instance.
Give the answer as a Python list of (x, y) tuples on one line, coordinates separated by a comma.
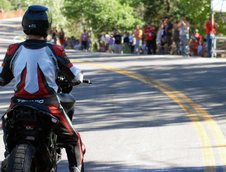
[(28, 125)]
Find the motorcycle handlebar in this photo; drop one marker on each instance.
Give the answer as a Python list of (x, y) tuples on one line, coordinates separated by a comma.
[(63, 81), (87, 81)]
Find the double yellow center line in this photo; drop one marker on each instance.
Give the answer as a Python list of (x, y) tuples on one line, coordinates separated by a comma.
[(194, 112)]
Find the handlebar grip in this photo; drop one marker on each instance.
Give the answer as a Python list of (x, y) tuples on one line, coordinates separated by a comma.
[(87, 81)]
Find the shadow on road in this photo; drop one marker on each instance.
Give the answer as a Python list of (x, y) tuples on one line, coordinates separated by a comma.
[(203, 82), (113, 167)]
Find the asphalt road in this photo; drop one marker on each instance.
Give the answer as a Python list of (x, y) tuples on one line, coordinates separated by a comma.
[(143, 113)]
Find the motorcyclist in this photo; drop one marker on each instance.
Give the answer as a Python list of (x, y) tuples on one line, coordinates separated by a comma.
[(34, 64)]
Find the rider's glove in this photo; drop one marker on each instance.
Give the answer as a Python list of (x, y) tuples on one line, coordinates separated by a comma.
[(78, 79)]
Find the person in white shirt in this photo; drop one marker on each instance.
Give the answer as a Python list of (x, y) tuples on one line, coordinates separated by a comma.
[(105, 39)]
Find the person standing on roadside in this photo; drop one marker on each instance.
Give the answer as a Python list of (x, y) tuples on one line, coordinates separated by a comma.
[(105, 40), (168, 27), (149, 32), (118, 42), (159, 38), (54, 35), (132, 42), (184, 36), (176, 37), (138, 35), (85, 40), (126, 47), (62, 37), (210, 34), (112, 43)]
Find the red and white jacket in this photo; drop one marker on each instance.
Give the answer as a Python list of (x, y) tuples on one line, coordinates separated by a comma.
[(35, 65)]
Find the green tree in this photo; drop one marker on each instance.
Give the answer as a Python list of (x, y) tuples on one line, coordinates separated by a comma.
[(102, 15), (153, 11), (97, 16), (195, 11), (5, 5), (55, 8)]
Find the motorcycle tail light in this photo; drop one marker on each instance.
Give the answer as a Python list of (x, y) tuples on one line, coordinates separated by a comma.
[(29, 127)]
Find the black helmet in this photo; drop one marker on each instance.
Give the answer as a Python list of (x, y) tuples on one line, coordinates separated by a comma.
[(37, 20)]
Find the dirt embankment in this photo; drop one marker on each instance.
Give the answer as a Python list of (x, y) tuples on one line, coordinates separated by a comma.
[(11, 14)]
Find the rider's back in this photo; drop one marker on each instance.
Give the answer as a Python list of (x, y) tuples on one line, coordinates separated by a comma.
[(34, 64)]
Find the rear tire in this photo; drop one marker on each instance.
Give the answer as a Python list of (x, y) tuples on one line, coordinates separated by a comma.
[(20, 159)]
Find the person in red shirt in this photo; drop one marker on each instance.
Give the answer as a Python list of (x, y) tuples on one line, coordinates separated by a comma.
[(198, 36), (195, 43), (62, 37), (210, 34), (149, 32)]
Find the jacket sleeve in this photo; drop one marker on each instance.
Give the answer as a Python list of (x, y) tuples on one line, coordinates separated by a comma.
[(65, 66), (5, 72)]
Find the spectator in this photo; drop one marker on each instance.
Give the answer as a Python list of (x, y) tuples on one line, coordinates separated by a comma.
[(149, 32), (96, 45), (154, 43), (102, 46), (105, 40), (184, 36), (73, 40), (84, 40), (199, 40), (168, 34), (210, 34), (159, 38), (176, 38), (77, 45), (54, 35), (132, 42), (71, 43), (163, 40), (61, 37), (126, 48), (118, 42), (145, 48), (68, 43), (203, 51), (112, 43), (198, 36), (138, 35), (195, 42)]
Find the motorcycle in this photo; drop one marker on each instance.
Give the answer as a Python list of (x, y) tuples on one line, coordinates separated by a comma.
[(32, 145)]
